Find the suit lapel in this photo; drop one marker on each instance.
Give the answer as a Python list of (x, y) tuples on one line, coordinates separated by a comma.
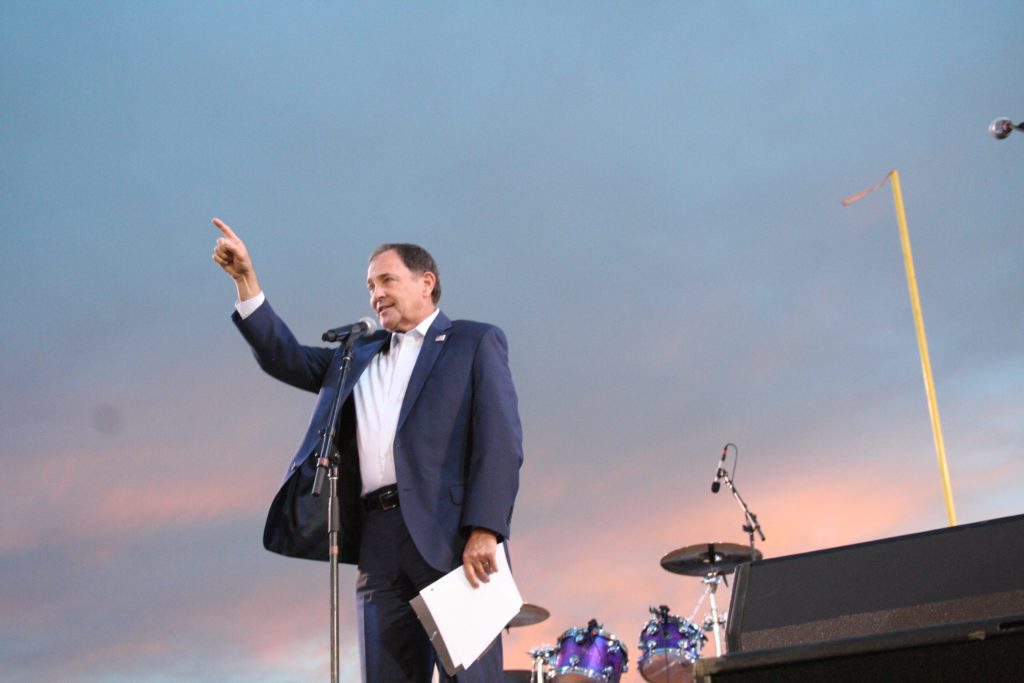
[(433, 343)]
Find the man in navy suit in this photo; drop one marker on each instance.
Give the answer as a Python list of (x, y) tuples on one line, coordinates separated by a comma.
[(430, 445)]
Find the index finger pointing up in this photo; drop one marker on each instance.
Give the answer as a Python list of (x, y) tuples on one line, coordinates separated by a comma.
[(223, 227)]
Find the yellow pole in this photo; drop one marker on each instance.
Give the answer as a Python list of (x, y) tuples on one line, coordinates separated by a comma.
[(922, 345)]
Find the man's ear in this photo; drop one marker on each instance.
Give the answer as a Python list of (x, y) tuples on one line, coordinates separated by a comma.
[(430, 280)]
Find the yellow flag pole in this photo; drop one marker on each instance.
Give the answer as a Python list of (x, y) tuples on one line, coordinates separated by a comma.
[(922, 346), (922, 340)]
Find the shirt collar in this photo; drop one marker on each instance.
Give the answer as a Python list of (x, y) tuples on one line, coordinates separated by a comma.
[(420, 331)]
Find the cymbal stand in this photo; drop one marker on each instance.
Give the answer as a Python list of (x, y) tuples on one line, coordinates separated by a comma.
[(714, 619), (696, 608), (540, 655)]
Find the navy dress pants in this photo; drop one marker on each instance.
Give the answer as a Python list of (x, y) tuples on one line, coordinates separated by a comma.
[(395, 647)]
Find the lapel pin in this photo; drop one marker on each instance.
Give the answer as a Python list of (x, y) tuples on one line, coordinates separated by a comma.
[(441, 337)]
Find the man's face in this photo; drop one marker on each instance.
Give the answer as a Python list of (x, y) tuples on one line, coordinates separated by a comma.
[(400, 297)]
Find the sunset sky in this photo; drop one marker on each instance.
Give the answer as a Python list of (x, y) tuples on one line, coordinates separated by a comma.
[(645, 196)]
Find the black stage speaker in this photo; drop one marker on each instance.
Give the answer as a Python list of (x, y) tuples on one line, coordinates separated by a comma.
[(988, 651), (969, 573)]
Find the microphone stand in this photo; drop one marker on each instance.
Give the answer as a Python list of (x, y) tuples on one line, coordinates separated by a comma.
[(752, 525), (327, 464)]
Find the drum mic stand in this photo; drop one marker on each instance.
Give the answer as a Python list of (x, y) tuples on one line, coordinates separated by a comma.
[(712, 579), (327, 464), (752, 525)]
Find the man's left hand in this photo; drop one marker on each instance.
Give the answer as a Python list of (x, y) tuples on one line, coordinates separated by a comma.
[(479, 559)]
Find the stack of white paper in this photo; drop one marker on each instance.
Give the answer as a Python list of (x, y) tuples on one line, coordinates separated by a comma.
[(462, 620)]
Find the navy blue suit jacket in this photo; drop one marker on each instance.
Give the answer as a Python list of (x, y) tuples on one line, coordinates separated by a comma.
[(458, 445)]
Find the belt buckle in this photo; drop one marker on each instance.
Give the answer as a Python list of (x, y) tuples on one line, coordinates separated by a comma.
[(388, 500)]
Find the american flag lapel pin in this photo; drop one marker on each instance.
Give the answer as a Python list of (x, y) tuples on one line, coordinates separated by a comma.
[(440, 338)]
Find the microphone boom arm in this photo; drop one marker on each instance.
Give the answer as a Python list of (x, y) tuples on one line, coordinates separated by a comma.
[(752, 525)]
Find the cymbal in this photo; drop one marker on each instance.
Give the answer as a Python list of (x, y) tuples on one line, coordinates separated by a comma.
[(708, 558), (528, 616), (518, 676)]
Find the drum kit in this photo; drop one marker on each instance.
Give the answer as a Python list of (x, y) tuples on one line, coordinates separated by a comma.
[(669, 646)]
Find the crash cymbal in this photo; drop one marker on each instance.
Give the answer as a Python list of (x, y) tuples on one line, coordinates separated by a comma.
[(518, 676), (528, 616), (708, 558)]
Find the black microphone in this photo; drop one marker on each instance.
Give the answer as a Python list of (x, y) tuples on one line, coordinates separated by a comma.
[(719, 472), (364, 326), (1001, 128)]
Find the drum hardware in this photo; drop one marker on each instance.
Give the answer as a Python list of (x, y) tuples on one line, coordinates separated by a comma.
[(588, 654), (538, 672), (714, 619), (669, 646), (712, 562)]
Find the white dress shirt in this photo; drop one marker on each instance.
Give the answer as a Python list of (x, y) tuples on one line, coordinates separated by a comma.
[(378, 398), (378, 395)]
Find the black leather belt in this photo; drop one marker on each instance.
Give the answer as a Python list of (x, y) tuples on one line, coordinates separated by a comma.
[(382, 499)]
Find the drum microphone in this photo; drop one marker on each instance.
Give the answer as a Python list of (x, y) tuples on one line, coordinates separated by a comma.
[(1001, 128), (719, 472), (346, 332)]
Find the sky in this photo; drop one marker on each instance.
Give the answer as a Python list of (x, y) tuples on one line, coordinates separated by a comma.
[(644, 196)]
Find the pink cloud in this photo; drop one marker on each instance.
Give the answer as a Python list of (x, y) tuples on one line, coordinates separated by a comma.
[(110, 495), (184, 501)]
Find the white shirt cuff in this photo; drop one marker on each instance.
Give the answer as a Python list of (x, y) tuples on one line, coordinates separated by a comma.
[(249, 306)]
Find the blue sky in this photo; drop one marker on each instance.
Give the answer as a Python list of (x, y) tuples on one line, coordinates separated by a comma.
[(645, 196)]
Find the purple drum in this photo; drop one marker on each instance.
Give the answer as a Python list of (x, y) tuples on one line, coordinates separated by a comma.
[(588, 654), (669, 646)]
